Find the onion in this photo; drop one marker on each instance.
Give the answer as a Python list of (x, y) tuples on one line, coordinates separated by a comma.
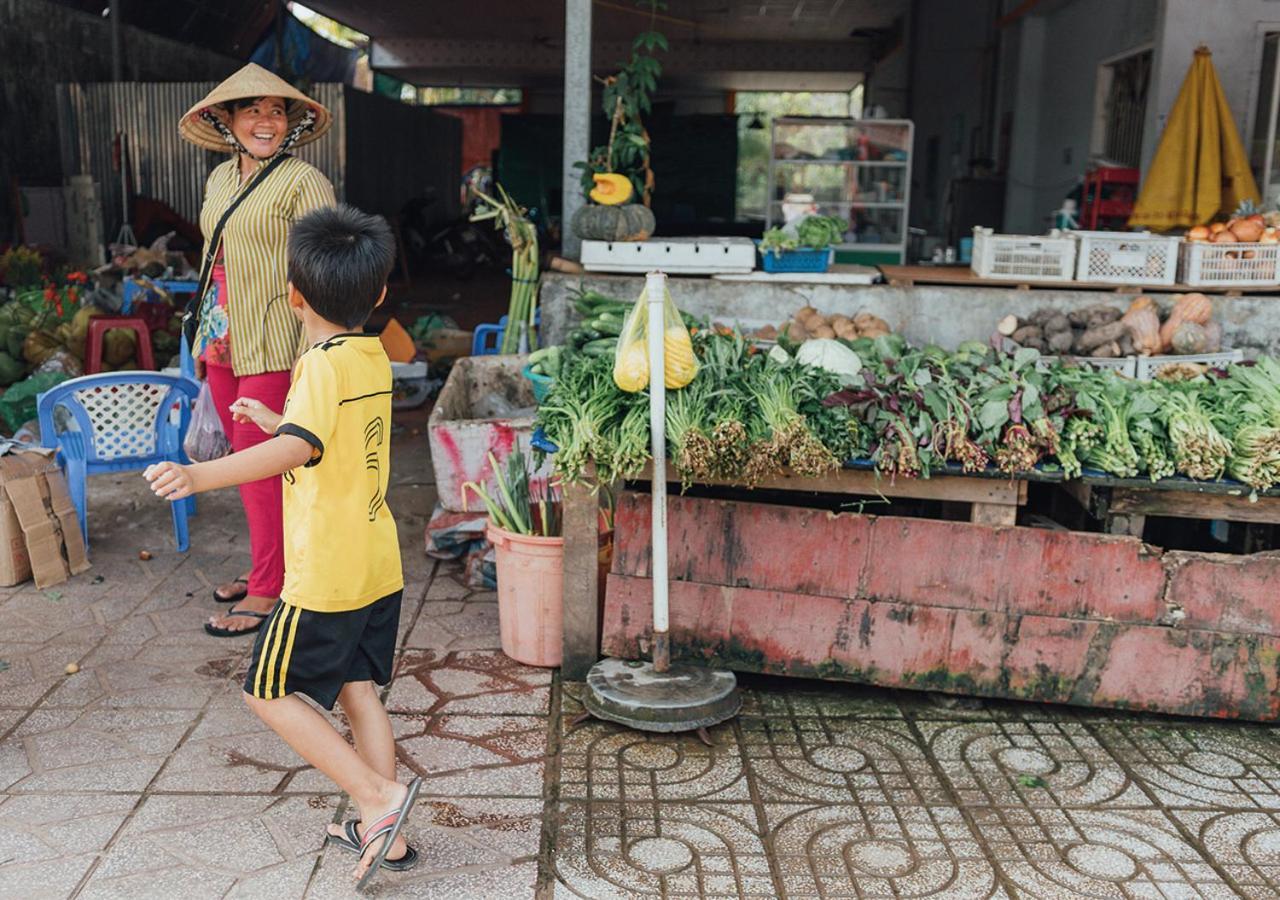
[(1215, 227), (1223, 236), (1198, 233)]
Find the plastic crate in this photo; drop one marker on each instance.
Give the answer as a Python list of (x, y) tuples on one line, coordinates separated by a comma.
[(1124, 365), (1227, 265), (1150, 366), (1019, 257), (796, 260), (541, 383), (1126, 258)]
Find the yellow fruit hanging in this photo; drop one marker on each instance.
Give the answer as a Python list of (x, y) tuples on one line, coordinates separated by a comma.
[(680, 366), (611, 189), (631, 369)]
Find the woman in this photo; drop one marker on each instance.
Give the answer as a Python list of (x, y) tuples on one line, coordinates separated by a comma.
[(247, 339)]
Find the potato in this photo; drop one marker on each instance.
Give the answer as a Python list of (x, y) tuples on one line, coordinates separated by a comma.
[(796, 332), (823, 331), (846, 330), (803, 314)]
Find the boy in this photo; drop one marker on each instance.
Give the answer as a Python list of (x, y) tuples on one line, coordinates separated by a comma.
[(333, 632)]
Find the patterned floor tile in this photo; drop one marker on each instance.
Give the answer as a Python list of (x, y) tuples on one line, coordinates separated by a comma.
[(1245, 844), (613, 850), (45, 827), (1015, 762), (838, 761), (772, 697), (603, 761), (1089, 853), (472, 627), (879, 851), (430, 745), (1202, 765)]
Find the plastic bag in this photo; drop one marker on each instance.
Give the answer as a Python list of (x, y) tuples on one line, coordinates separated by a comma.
[(631, 356), (18, 405), (205, 439)]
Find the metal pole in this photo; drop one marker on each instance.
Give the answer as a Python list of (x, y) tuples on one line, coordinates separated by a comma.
[(577, 117), (1271, 122), (656, 291), (117, 70)]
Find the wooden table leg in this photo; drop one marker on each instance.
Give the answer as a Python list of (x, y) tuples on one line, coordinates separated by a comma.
[(581, 582)]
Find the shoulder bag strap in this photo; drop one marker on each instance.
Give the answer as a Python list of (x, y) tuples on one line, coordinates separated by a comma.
[(191, 317)]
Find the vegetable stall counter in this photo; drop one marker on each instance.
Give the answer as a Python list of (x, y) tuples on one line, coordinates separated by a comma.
[(982, 608)]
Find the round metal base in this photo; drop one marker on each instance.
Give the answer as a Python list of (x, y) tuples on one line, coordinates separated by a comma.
[(684, 698)]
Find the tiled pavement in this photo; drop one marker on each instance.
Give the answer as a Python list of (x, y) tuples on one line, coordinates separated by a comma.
[(143, 775)]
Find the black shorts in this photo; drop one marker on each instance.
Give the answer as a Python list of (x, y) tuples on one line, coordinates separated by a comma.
[(316, 653)]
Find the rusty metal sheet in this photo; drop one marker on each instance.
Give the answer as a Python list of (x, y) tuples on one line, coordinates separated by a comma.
[(1223, 592)]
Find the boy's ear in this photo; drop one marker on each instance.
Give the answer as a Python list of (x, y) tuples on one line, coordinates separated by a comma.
[(295, 297), (381, 297)]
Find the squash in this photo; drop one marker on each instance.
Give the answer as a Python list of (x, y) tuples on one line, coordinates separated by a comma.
[(1195, 308), (629, 222), (1190, 338), (1144, 327), (1141, 302), (611, 189)]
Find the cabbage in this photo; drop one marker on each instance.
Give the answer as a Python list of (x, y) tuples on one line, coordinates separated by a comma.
[(831, 355)]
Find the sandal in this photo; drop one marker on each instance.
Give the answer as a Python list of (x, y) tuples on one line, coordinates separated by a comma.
[(239, 595), (389, 827), (217, 631), (350, 840)]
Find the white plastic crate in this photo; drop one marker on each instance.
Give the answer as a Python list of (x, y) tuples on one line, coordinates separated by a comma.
[(1019, 257), (1230, 264), (1123, 365), (1149, 366), (1126, 257)]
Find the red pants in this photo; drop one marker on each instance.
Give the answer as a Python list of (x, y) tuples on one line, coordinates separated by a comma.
[(262, 499)]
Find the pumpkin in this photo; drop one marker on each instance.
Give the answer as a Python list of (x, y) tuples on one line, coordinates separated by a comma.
[(1144, 326), (1141, 302), (1190, 338), (629, 222), (1195, 308), (611, 189)]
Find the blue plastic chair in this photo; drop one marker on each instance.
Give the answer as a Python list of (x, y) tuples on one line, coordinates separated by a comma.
[(487, 339), (119, 422)]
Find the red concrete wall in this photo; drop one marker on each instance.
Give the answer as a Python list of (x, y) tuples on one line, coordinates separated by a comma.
[(481, 132), (1068, 617)]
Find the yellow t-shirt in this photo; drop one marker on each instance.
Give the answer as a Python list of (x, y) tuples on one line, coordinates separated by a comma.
[(340, 546)]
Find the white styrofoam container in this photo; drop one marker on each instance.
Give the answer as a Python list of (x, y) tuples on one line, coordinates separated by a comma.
[(486, 406), (1020, 257), (675, 256), (1150, 366), (410, 385), (1226, 265), (1126, 257)]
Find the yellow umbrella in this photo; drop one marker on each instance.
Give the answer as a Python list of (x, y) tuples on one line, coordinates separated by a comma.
[(1200, 168)]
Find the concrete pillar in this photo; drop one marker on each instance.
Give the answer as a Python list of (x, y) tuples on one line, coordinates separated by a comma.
[(1021, 209), (577, 114)]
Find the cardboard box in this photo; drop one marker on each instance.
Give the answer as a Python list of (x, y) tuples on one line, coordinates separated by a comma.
[(39, 529)]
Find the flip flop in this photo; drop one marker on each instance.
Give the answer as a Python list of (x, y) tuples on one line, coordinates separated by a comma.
[(350, 840), (217, 631), (389, 826), (239, 595)]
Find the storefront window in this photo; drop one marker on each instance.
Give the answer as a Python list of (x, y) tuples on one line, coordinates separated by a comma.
[(1263, 155)]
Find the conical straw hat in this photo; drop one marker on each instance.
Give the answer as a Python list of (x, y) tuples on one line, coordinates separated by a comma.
[(250, 82)]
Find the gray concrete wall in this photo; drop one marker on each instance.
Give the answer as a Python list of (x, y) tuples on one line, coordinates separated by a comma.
[(1232, 29), (1059, 54), (923, 314), (43, 44)]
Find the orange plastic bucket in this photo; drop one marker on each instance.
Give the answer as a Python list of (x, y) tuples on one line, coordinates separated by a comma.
[(530, 593)]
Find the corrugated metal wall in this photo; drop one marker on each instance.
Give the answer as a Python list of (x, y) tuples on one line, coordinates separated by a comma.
[(162, 165)]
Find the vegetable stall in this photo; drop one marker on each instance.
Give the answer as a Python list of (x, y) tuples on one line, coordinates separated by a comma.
[(773, 440)]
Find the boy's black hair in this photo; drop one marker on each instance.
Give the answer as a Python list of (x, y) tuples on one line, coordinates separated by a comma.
[(339, 260)]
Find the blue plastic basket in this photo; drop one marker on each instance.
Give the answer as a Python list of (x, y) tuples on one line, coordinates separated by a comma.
[(796, 260), (541, 383)]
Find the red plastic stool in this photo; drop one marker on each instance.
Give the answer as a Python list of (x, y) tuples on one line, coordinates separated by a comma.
[(100, 325)]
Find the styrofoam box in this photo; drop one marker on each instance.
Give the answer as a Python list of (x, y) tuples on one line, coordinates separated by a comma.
[(1150, 366), (1021, 257), (675, 256), (1126, 257), (1226, 265)]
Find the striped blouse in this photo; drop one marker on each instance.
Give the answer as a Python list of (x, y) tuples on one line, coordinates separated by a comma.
[(265, 334)]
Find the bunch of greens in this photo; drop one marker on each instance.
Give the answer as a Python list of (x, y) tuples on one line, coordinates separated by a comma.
[(519, 505), (811, 233)]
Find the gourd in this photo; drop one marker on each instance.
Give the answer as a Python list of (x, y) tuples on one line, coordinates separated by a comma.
[(1195, 308), (1144, 326), (611, 189), (628, 222)]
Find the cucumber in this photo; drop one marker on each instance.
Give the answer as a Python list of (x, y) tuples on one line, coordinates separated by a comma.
[(583, 335), (606, 326), (538, 356), (600, 347)]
